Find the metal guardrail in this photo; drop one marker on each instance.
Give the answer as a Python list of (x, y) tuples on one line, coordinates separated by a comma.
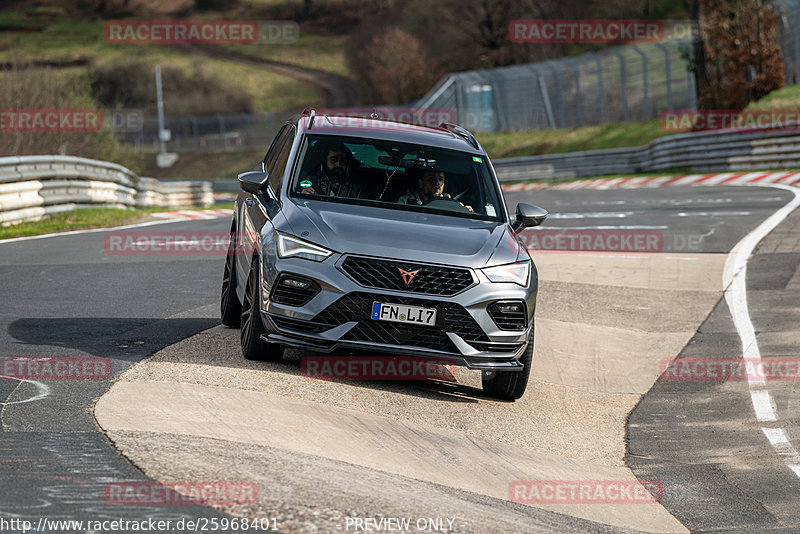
[(697, 152), (34, 186)]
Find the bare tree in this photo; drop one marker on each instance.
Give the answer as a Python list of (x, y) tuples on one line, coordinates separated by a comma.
[(739, 59), (397, 66), (25, 88)]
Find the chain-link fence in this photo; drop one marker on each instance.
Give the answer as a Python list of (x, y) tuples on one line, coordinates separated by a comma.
[(190, 133), (630, 83)]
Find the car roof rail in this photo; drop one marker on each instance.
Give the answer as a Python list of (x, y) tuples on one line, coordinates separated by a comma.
[(463, 132), (311, 115)]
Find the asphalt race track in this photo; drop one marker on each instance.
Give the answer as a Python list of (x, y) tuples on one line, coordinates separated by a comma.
[(722, 465)]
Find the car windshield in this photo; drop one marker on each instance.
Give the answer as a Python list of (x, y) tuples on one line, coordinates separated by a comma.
[(397, 176)]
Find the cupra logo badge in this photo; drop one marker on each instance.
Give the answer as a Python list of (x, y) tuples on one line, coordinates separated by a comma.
[(408, 276)]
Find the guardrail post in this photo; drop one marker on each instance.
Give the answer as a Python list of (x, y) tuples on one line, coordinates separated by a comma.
[(796, 41), (460, 113), (645, 84), (493, 105), (578, 102), (668, 73), (545, 97), (195, 133), (601, 97), (560, 90), (623, 85), (691, 91), (221, 121)]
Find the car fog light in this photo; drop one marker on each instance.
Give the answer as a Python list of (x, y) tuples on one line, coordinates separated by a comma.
[(291, 282), (510, 308)]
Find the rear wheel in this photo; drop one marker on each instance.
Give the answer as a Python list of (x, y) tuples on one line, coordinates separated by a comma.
[(253, 347), (509, 385), (230, 307)]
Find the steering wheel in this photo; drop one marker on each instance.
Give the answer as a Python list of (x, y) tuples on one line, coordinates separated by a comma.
[(461, 194), (446, 204)]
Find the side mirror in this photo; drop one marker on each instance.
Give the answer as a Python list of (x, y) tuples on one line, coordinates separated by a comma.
[(253, 181), (528, 215)]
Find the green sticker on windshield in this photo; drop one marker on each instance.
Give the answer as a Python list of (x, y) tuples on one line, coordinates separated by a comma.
[(305, 183), (477, 159)]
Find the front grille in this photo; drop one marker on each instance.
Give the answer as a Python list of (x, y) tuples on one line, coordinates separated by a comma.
[(508, 320), (450, 317), (428, 279), (282, 293)]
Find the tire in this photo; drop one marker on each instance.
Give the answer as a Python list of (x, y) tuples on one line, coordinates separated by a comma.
[(253, 347), (230, 307), (509, 385)]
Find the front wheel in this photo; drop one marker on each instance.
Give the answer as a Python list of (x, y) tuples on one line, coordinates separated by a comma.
[(253, 347), (509, 385), (230, 307)]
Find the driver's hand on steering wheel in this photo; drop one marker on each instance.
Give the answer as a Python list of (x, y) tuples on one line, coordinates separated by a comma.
[(447, 195)]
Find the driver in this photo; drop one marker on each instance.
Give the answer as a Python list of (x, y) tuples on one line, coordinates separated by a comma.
[(332, 177), (429, 186)]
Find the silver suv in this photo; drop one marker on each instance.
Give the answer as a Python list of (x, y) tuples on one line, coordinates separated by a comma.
[(367, 234)]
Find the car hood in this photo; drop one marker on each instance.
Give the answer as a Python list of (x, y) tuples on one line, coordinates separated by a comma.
[(400, 234)]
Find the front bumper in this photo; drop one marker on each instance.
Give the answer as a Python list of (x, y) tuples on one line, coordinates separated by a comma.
[(338, 317)]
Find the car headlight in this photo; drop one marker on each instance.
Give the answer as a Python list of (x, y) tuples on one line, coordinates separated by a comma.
[(290, 246), (511, 272)]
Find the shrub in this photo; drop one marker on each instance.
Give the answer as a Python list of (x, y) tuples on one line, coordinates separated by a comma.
[(24, 87), (132, 85), (396, 67)]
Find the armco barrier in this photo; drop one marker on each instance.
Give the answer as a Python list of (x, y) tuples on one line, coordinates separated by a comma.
[(34, 186), (698, 152)]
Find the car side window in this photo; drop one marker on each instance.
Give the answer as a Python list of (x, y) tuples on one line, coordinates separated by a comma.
[(282, 159), (275, 148)]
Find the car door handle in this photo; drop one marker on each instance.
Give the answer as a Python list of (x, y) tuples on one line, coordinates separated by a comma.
[(249, 201)]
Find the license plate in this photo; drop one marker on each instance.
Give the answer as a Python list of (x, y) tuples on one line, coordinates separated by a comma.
[(400, 313)]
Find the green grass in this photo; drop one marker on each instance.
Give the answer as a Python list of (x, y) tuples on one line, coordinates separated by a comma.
[(787, 98), (63, 39), (507, 145), (312, 50), (198, 166), (78, 219), (86, 218)]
